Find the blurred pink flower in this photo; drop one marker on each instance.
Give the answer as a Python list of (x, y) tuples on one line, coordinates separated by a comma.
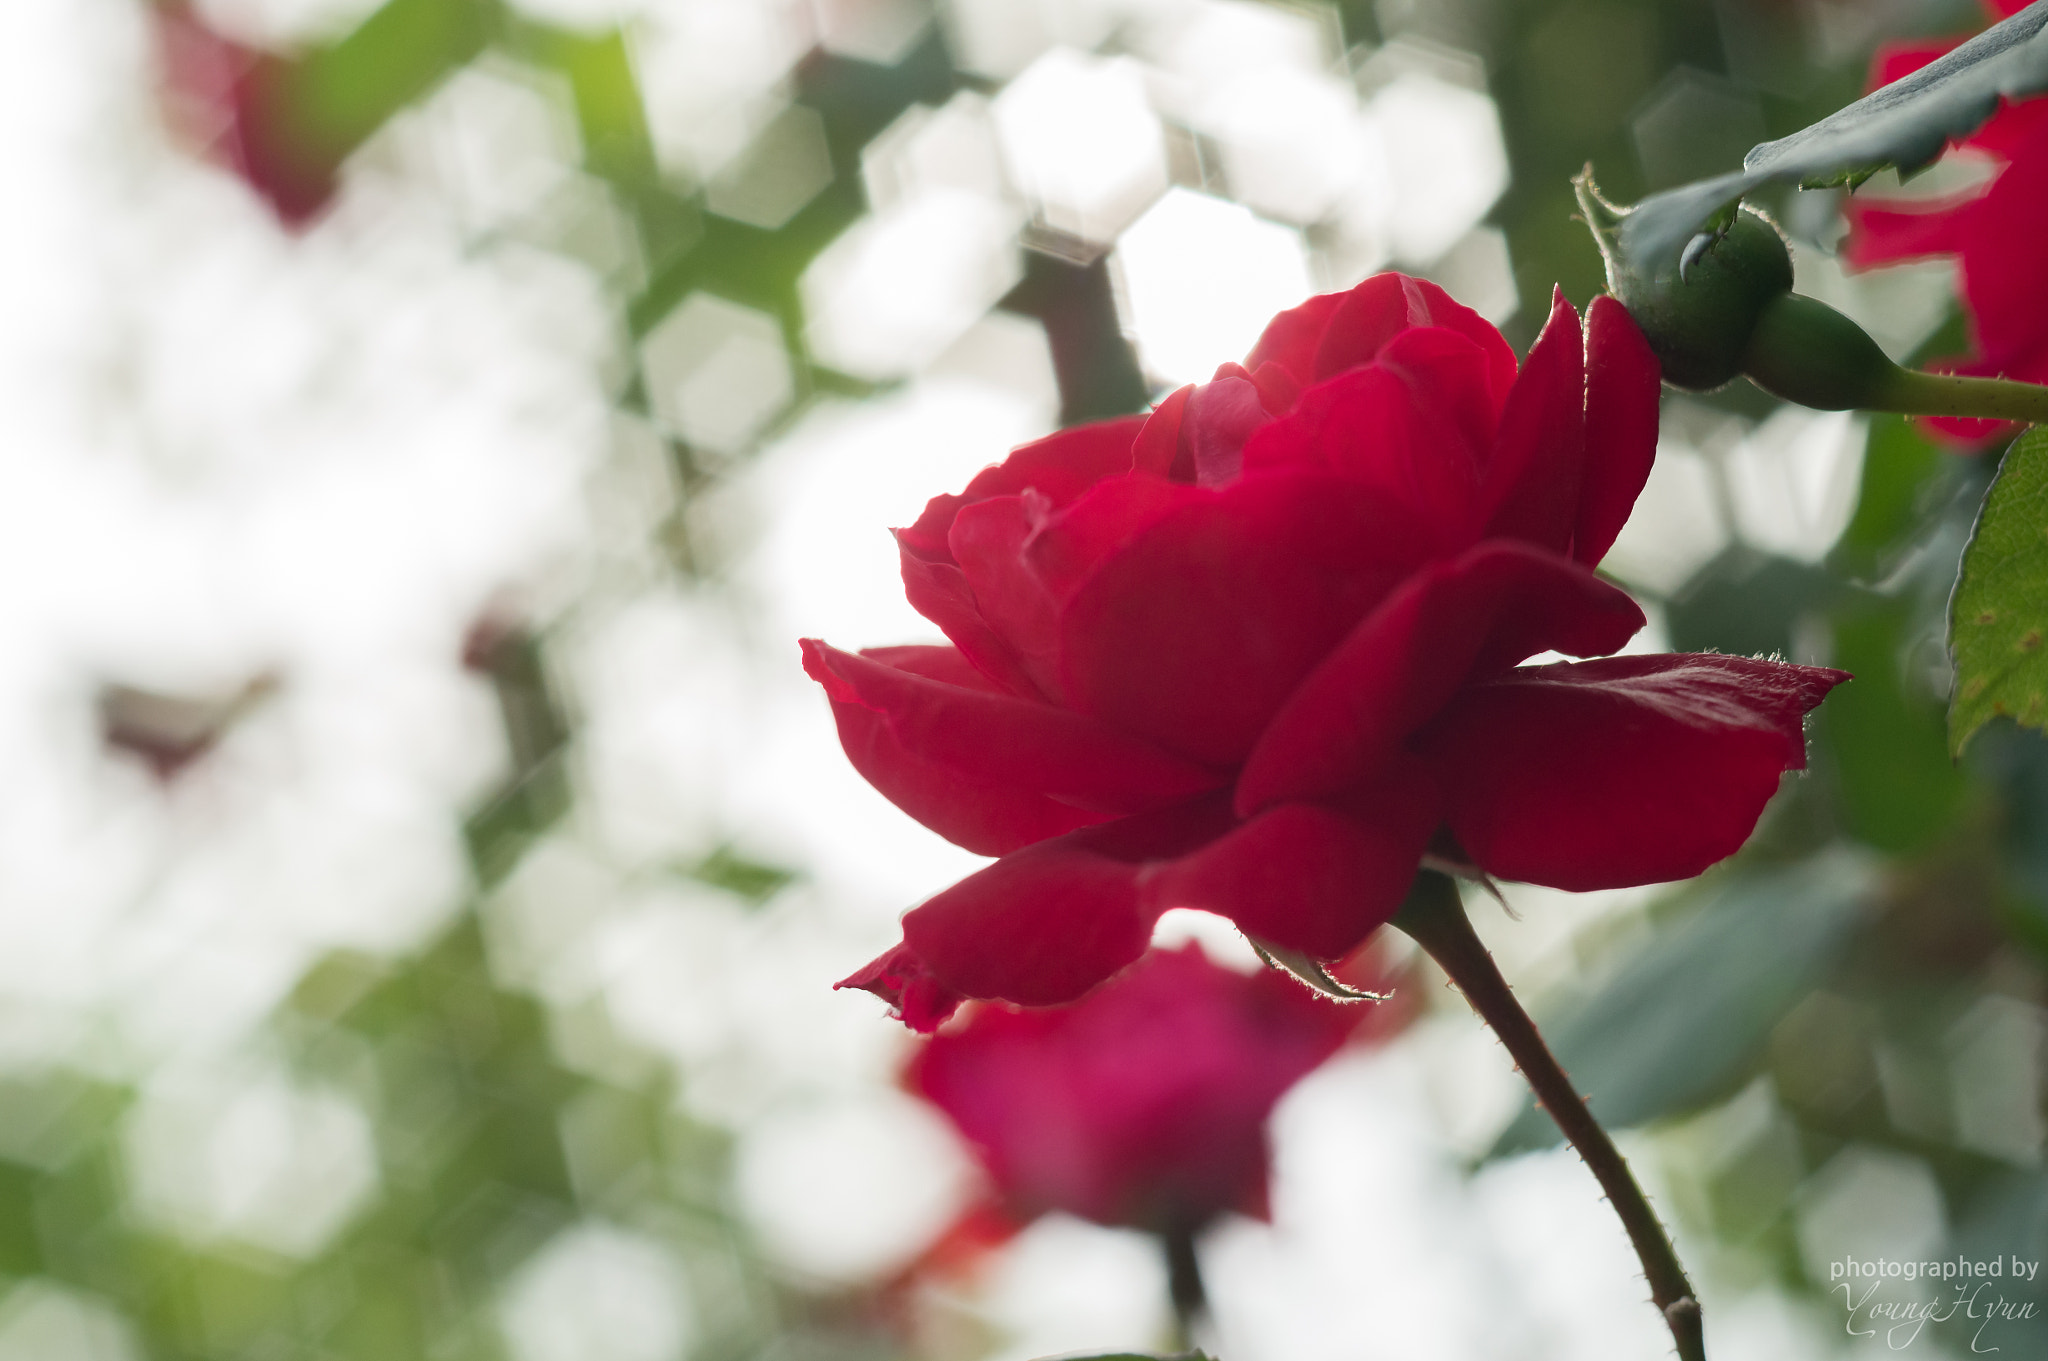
[(1143, 1105), (233, 100)]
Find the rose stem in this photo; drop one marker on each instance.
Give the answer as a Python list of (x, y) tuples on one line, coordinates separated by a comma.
[(1917, 393), (1435, 917), (1184, 1285)]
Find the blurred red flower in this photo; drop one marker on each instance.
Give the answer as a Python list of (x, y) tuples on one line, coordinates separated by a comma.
[(1142, 1106), (1994, 231), (1254, 654), (233, 100)]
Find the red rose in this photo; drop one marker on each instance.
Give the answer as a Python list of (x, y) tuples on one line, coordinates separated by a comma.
[(1255, 653), (1142, 1106), (1994, 231)]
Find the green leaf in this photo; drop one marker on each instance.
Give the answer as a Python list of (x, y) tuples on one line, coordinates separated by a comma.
[(1682, 1023), (1999, 615), (1906, 124)]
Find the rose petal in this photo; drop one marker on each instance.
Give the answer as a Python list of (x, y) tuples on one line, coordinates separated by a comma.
[(2005, 269), (991, 605), (1044, 924), (988, 540), (1278, 388), (1622, 771), (1533, 477), (1068, 546), (1314, 878), (1379, 310), (1622, 393), (988, 817), (900, 978), (1059, 467), (938, 590), (1412, 428), (1290, 339), (2003, 273), (1498, 604), (951, 749), (1063, 464), (1198, 433), (1158, 448), (1883, 236), (1334, 332), (1197, 629), (1221, 416)]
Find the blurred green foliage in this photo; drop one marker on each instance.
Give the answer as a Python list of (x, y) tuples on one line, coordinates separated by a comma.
[(1684, 1021), (1821, 980), (336, 97)]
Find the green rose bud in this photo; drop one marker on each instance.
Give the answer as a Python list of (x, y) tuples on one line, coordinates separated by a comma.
[(1699, 311), (1726, 307)]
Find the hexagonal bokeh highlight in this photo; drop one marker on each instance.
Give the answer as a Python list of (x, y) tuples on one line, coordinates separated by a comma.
[(499, 139), (901, 285), (597, 1292), (1479, 272), (43, 1321), (1200, 46), (1292, 143), (782, 169), (717, 374), (999, 38), (1186, 313), (1443, 144), (1793, 481), (1082, 143), (950, 147), (881, 32), (1693, 125), (850, 1188), (1679, 523), (255, 1160), (714, 73)]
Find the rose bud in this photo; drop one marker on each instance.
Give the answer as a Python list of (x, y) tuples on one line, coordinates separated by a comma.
[(1697, 312), (1726, 307)]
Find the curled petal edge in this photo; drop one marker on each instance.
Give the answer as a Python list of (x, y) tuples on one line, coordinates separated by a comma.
[(915, 996)]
